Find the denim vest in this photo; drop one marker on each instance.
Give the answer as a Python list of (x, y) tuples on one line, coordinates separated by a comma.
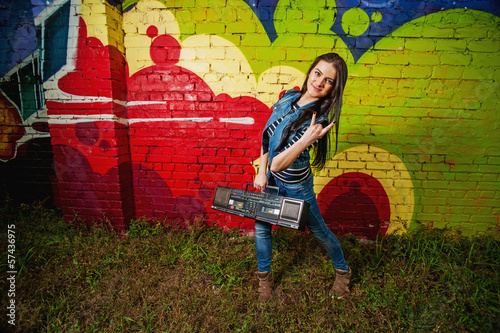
[(283, 109)]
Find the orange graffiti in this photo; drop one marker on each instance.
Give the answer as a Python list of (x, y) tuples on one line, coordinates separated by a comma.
[(11, 128)]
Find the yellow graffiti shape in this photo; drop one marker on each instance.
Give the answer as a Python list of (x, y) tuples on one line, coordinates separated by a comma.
[(137, 42), (382, 165)]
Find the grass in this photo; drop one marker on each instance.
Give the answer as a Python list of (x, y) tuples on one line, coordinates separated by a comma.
[(201, 279)]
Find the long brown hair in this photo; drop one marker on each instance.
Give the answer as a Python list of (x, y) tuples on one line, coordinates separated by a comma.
[(330, 105)]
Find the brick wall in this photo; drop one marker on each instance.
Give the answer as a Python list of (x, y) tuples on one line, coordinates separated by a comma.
[(152, 105)]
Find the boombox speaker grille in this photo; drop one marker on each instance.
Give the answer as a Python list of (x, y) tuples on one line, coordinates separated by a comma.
[(222, 196), (291, 210)]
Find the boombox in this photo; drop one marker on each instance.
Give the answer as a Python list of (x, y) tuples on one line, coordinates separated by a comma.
[(262, 206)]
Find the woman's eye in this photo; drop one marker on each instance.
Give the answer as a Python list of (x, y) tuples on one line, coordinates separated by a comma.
[(329, 82)]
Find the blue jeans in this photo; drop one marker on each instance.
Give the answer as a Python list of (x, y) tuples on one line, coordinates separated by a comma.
[(316, 225)]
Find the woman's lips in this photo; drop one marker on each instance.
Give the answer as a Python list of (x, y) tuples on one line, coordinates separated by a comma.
[(315, 88)]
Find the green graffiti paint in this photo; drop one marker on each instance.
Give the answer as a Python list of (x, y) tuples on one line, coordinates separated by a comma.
[(355, 21), (377, 17)]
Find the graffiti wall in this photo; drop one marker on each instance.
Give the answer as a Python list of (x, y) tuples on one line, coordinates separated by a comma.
[(140, 109)]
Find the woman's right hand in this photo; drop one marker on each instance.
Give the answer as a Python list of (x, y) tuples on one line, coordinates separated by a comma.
[(260, 181)]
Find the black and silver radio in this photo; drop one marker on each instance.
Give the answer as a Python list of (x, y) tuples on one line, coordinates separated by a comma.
[(266, 207)]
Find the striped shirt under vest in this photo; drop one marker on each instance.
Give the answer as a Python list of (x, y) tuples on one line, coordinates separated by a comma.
[(290, 175)]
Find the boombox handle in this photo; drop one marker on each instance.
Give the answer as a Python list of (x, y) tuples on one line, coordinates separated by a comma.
[(267, 187)]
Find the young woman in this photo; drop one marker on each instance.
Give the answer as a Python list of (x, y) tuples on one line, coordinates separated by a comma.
[(301, 120)]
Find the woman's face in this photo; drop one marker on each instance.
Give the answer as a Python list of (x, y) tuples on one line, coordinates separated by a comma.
[(321, 80)]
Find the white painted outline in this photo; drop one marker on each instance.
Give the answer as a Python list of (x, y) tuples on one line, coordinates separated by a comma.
[(242, 121), (148, 120)]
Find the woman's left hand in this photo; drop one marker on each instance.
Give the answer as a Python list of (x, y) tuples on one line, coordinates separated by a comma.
[(284, 160), (315, 131)]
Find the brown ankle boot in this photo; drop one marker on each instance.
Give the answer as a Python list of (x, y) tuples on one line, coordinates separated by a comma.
[(341, 284), (266, 283)]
